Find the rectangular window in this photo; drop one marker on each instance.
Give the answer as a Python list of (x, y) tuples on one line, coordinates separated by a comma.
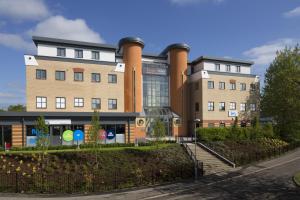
[(41, 102), (78, 102), (210, 85), (243, 107), (61, 52), (222, 106), (238, 68), (217, 67), (210, 125), (222, 85), (243, 86), (78, 53), (197, 107), (112, 78), (252, 106), (78, 76), (96, 103), (228, 68), (95, 55), (95, 77), (112, 104), (60, 102), (41, 74), (60, 75), (232, 106), (252, 87), (210, 106), (232, 86)]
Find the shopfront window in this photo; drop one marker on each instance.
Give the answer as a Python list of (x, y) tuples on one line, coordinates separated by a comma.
[(5, 136)]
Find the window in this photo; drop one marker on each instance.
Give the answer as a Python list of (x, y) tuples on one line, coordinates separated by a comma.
[(41, 102), (238, 68), (112, 104), (78, 102), (217, 67), (197, 85), (222, 124), (210, 85), (252, 106), (95, 77), (210, 125), (78, 76), (197, 107), (252, 87), (228, 68), (243, 107), (96, 103), (78, 53), (222, 106), (232, 105), (112, 78), (41, 74), (61, 52), (95, 55), (232, 86), (60, 103), (243, 86), (60, 75), (211, 106), (222, 85)]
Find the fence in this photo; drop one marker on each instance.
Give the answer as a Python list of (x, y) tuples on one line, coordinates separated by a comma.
[(90, 182)]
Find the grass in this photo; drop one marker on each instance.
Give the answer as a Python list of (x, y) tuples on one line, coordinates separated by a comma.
[(142, 148), (297, 178)]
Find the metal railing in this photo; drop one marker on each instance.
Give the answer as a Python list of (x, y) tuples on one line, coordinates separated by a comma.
[(194, 158)]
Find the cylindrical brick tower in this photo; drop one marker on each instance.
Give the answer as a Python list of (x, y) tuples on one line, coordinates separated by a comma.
[(131, 47), (178, 60)]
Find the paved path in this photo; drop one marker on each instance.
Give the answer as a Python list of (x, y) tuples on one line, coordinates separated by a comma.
[(211, 164), (266, 180)]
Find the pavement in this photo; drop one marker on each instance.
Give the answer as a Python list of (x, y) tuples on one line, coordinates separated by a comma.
[(265, 180)]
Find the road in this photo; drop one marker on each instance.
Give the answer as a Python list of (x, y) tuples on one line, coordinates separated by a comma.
[(266, 180)]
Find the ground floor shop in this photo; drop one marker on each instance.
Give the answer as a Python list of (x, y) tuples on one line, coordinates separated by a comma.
[(18, 129)]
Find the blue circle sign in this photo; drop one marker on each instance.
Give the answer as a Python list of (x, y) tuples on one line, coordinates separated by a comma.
[(78, 135), (110, 134)]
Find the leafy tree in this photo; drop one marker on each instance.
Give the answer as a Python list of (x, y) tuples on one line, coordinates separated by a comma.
[(159, 130), (281, 93), (16, 108), (42, 130), (94, 134)]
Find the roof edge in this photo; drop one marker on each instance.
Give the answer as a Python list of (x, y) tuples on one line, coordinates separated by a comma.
[(131, 40), (175, 46), (212, 58)]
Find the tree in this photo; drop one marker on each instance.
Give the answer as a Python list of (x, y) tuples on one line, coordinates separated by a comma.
[(94, 134), (42, 131), (159, 130), (16, 108), (281, 93)]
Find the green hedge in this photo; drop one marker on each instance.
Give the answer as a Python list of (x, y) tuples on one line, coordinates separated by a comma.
[(235, 133)]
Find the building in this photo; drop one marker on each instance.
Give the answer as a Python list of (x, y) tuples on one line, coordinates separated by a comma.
[(67, 80)]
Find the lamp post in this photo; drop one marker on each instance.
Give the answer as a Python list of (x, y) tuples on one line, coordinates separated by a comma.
[(196, 161)]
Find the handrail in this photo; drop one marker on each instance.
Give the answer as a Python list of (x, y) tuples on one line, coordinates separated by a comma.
[(217, 155), (194, 158)]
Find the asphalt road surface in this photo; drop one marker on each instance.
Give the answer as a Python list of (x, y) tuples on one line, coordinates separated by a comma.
[(266, 180)]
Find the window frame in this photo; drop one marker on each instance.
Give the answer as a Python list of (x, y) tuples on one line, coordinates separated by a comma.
[(77, 53), (58, 71), (82, 76), (61, 103), (251, 107), (217, 67), (222, 83), (228, 67), (92, 103), (95, 81), (40, 70), (78, 103), (238, 69), (243, 88), (197, 107), (36, 102), (116, 107), (232, 84), (59, 49), (232, 107), (244, 106), (213, 85), (112, 75), (96, 52), (210, 106), (224, 105)]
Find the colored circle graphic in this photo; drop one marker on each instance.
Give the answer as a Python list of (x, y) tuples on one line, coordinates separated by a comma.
[(110, 134), (78, 135), (68, 135)]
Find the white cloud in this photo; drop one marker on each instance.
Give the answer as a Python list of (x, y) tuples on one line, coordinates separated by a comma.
[(24, 9), (293, 13), (264, 54), (16, 42), (187, 2), (60, 27), (7, 95)]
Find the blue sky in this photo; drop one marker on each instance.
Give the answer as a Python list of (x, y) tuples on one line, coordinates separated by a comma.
[(245, 29)]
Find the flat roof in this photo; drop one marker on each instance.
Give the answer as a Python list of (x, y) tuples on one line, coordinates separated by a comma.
[(48, 40), (220, 59)]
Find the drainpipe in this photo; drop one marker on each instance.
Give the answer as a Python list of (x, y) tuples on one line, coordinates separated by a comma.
[(134, 98)]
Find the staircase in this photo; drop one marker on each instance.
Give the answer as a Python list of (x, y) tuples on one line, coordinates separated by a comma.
[(211, 164)]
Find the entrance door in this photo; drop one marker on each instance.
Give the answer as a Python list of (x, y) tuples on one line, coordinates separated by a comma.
[(55, 135)]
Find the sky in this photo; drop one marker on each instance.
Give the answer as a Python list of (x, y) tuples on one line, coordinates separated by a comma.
[(243, 29)]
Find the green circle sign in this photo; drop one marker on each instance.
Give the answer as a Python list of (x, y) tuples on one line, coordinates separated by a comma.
[(68, 135)]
